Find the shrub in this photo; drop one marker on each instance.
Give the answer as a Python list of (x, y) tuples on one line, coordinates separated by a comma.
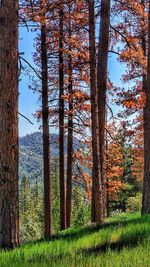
[(134, 203)]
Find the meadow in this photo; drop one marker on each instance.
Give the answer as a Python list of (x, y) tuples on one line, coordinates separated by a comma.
[(123, 240)]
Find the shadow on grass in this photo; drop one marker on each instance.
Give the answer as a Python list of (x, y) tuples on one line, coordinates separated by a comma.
[(76, 233), (125, 240), (129, 240)]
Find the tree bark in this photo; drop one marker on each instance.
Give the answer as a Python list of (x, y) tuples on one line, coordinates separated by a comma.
[(107, 180), (9, 203), (146, 115), (45, 125), (102, 67), (70, 142), (61, 122), (96, 179)]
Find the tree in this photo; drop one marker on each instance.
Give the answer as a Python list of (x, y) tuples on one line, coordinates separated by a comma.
[(136, 57), (9, 204), (31, 209), (146, 185), (45, 123), (124, 170), (145, 88), (97, 209), (61, 119), (24, 194), (132, 32), (102, 86), (114, 169), (70, 133), (55, 192)]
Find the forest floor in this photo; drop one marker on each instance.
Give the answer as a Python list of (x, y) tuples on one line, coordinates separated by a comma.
[(122, 241)]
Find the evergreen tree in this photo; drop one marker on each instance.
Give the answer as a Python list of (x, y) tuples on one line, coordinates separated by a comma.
[(9, 150)]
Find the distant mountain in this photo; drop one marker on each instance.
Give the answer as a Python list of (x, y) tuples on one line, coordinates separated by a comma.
[(31, 152), (33, 142)]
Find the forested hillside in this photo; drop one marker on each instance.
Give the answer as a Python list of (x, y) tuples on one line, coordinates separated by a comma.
[(31, 153)]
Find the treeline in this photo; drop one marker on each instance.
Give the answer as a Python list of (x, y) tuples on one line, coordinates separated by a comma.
[(71, 77)]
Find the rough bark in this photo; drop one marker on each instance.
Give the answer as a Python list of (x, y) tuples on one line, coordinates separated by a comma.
[(102, 87), (45, 125), (96, 180), (9, 210), (146, 115), (61, 122), (69, 143)]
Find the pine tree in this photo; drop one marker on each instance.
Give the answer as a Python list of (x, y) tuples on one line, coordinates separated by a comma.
[(97, 209), (102, 87), (31, 209), (9, 204), (70, 134), (146, 186), (61, 119), (45, 123)]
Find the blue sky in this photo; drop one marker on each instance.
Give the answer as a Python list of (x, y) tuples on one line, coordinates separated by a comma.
[(29, 101)]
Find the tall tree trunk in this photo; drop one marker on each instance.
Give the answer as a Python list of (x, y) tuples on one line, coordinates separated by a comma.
[(45, 124), (9, 203), (146, 115), (61, 121), (70, 141), (96, 181), (107, 179), (102, 86)]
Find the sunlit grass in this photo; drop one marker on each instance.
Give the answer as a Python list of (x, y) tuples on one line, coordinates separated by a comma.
[(123, 241)]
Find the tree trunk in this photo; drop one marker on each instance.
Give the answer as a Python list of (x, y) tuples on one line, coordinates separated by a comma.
[(61, 122), (9, 203), (102, 87), (107, 180), (96, 181), (146, 113), (45, 124), (70, 143)]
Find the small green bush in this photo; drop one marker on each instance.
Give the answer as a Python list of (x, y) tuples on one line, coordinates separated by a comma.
[(134, 203)]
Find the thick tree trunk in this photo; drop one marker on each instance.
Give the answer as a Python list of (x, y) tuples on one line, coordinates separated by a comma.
[(9, 203), (102, 86), (70, 143), (96, 180), (45, 124), (146, 113), (61, 123)]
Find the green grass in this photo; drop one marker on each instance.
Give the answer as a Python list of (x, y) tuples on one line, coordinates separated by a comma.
[(122, 241)]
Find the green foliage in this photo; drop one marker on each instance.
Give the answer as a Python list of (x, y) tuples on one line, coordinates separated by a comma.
[(123, 241), (55, 197), (130, 185), (31, 209), (134, 203), (31, 188), (82, 216), (80, 208)]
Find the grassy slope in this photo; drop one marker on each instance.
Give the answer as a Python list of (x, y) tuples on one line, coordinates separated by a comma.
[(123, 241)]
